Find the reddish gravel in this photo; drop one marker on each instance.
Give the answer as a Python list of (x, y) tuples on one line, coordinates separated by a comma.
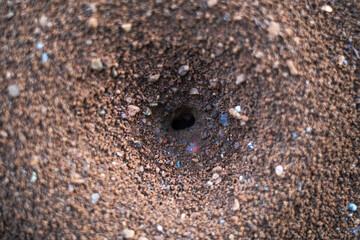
[(88, 150)]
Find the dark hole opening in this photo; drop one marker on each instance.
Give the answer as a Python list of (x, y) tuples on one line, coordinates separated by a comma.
[(182, 121)]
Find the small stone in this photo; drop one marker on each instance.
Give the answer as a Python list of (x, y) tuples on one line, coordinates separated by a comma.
[(209, 183), (13, 91), (212, 3), (240, 79), (292, 67), (96, 64), (279, 170), (238, 109), (194, 91), (128, 233), (251, 145), (143, 238), (222, 221), (236, 205), (236, 145), (133, 110), (352, 207), (183, 70), (237, 115), (119, 154), (39, 45), (274, 30), (126, 27), (93, 22), (327, 8), (102, 112), (213, 82), (217, 169), (33, 177), (94, 197), (43, 21), (215, 176), (224, 120), (35, 161), (159, 228), (44, 57), (138, 144), (3, 134), (154, 78), (147, 112)]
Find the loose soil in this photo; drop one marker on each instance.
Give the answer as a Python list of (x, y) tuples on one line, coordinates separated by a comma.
[(78, 163)]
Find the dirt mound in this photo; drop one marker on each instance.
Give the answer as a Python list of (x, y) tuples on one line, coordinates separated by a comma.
[(179, 119)]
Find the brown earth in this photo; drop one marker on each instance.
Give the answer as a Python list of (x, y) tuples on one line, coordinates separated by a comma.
[(78, 163)]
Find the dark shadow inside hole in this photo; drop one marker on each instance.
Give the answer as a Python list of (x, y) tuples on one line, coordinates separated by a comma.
[(183, 120)]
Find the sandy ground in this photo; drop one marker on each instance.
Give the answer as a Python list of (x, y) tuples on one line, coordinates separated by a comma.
[(267, 91)]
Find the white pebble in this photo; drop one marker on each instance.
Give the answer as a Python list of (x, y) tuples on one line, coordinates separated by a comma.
[(238, 108), (33, 177), (279, 170), (128, 233), (327, 8), (159, 228), (94, 197), (194, 91), (240, 79), (14, 91), (126, 27)]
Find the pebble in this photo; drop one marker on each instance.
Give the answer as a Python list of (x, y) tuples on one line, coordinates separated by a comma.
[(194, 91), (183, 70), (94, 197), (126, 27), (251, 145), (93, 22), (133, 110), (102, 112), (224, 120), (236, 145), (279, 170), (43, 21), (39, 45), (33, 177), (236, 205), (96, 64), (292, 67), (13, 91), (274, 30), (44, 57), (143, 238), (352, 207), (238, 109), (222, 221), (159, 228), (177, 164), (119, 154), (154, 78), (240, 79), (147, 112), (327, 8), (138, 144), (128, 233), (213, 82), (212, 3), (237, 115)]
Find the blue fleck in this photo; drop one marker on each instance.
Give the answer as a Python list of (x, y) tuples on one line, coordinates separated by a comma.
[(345, 62), (177, 164), (308, 129), (168, 188), (39, 45), (294, 134), (352, 207), (249, 179), (251, 145), (44, 57), (190, 147), (222, 221), (150, 187), (216, 142), (226, 17), (266, 188), (224, 120), (355, 230)]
